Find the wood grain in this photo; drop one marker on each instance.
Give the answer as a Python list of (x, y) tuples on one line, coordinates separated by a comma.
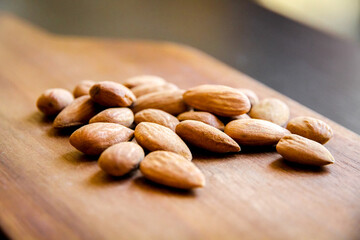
[(48, 190)]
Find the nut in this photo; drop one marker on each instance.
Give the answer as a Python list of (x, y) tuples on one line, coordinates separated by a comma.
[(83, 88), (204, 117), (153, 137), (271, 109), (144, 89), (172, 170), (310, 128), (251, 95), (142, 79), (52, 101), (205, 136), (121, 158), (111, 94), (298, 149), (123, 116), (156, 116), (218, 99), (94, 138)]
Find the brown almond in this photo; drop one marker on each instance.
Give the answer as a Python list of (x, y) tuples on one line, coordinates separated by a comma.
[(144, 89), (310, 128), (298, 149), (153, 137), (168, 101), (204, 117), (242, 116), (83, 88), (271, 109), (94, 138), (218, 99), (142, 79), (123, 116), (156, 116), (121, 158), (53, 100), (76, 113), (255, 132), (251, 95), (172, 170), (111, 94), (205, 136)]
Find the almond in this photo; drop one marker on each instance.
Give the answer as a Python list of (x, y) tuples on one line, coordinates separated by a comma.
[(121, 158), (142, 79), (204, 117), (156, 116), (271, 109), (83, 88), (172, 170), (76, 113), (298, 149), (251, 95), (52, 101), (168, 101), (144, 89), (154, 137), (123, 116), (310, 128), (205, 136), (111, 94), (242, 116), (94, 138), (218, 99), (255, 132)]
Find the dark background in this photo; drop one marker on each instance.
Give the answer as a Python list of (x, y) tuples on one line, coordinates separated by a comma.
[(317, 69)]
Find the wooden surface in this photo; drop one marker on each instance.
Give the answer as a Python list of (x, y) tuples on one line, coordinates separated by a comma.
[(48, 190)]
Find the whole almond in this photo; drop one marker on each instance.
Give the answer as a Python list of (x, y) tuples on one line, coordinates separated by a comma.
[(298, 149), (53, 100), (144, 89), (111, 94), (83, 88), (76, 113), (251, 95), (94, 138), (153, 137), (123, 116), (121, 158), (205, 136), (172, 170), (156, 116), (242, 116), (218, 99), (310, 128), (271, 109), (255, 132), (204, 117), (168, 101), (142, 79)]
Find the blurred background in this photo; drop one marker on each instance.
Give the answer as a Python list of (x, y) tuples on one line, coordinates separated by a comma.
[(305, 49)]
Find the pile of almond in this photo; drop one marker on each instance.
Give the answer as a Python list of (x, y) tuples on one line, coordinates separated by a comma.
[(121, 120)]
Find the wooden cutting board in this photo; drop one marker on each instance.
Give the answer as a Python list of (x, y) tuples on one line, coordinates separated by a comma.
[(48, 190)]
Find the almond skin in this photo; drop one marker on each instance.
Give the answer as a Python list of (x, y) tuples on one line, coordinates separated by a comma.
[(83, 88), (298, 149), (172, 170), (121, 158), (144, 89), (168, 101), (204, 117), (155, 137), (111, 94), (77, 113), (142, 79), (156, 116), (218, 99), (53, 100), (310, 128), (271, 109), (123, 116), (205, 136), (251, 95), (255, 132), (93, 139)]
